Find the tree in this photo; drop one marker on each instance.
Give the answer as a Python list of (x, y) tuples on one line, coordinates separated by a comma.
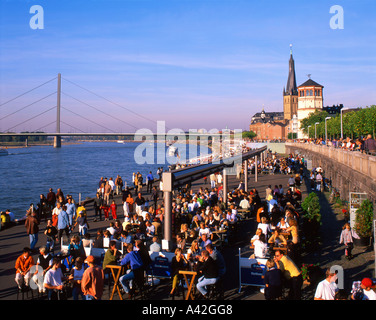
[(248, 134)]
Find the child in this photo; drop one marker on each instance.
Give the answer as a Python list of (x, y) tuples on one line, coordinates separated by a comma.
[(346, 238), (106, 210), (113, 209), (273, 281)]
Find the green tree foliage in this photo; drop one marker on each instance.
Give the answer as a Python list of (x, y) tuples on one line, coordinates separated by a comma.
[(248, 134), (357, 123)]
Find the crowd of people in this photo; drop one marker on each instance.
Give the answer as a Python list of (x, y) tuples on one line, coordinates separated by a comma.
[(365, 145), (202, 224)]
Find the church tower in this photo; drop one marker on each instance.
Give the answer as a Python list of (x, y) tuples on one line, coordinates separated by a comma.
[(290, 93)]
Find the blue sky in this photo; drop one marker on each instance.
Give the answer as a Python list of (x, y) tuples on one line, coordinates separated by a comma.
[(194, 64)]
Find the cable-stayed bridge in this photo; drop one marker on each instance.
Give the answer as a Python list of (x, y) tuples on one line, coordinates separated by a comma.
[(132, 131)]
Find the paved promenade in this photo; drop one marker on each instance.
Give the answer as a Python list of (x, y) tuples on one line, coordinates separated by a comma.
[(15, 238)]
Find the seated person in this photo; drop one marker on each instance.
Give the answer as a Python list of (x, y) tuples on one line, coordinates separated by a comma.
[(256, 236), (282, 224), (204, 230), (277, 239), (264, 226), (260, 248), (112, 255), (204, 241), (207, 272), (23, 265)]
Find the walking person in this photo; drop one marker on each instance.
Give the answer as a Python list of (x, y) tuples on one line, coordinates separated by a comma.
[(62, 223), (149, 182), (346, 238), (32, 229)]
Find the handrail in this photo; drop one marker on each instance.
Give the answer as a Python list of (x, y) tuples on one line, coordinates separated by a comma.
[(360, 162)]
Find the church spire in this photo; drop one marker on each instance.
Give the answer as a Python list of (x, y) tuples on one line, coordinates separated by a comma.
[(291, 87)]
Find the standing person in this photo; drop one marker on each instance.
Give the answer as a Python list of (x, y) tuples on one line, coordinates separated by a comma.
[(63, 223), (327, 288), (98, 202), (92, 280), (140, 180), (140, 201), (113, 208), (75, 278), (54, 279), (32, 229), (318, 181), (155, 196), (107, 193), (130, 202), (23, 264), (149, 182), (51, 233), (291, 273), (273, 281), (71, 211), (82, 223), (118, 185), (51, 199), (346, 238), (55, 213)]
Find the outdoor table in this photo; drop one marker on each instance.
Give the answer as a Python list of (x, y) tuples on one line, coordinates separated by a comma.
[(189, 284), (221, 234), (116, 271)]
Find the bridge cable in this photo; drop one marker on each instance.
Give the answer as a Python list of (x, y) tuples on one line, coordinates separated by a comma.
[(72, 126), (45, 125), (99, 110), (27, 106), (116, 104), (87, 119), (4, 103), (30, 118)]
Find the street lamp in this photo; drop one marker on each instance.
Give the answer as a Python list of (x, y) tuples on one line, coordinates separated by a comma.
[(316, 130), (326, 130), (308, 130), (342, 122)]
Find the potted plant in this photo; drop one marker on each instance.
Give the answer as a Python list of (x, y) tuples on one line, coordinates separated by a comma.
[(364, 223)]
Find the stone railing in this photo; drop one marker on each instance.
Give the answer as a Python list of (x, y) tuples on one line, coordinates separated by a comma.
[(360, 162)]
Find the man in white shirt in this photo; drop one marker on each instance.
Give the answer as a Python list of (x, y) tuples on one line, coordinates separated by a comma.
[(244, 204), (54, 278), (327, 288)]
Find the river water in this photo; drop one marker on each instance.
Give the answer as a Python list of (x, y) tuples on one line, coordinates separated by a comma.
[(76, 169)]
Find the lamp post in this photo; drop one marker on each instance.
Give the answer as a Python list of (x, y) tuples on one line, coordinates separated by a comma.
[(308, 130), (326, 130), (342, 122), (316, 129)]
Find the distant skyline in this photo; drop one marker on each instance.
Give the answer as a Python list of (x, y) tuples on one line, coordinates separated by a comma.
[(193, 64)]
